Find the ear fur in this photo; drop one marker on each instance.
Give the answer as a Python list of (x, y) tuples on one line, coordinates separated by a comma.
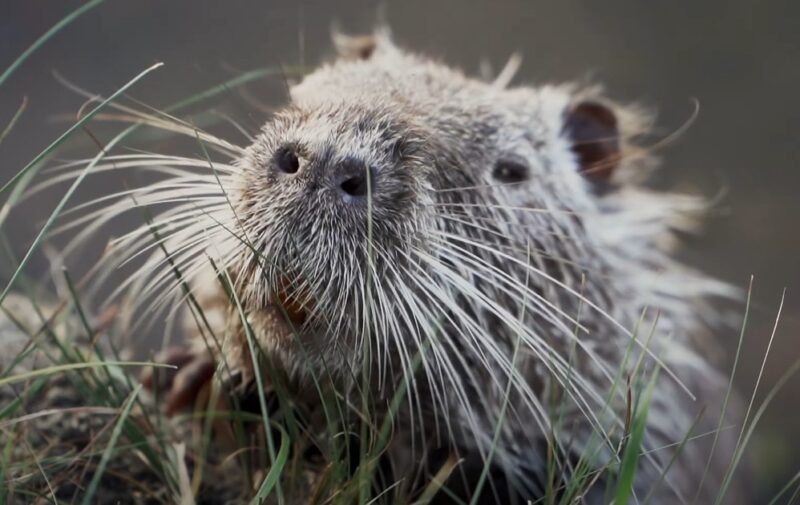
[(594, 131), (360, 47)]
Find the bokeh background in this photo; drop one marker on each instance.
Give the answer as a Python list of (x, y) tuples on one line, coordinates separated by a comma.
[(740, 59)]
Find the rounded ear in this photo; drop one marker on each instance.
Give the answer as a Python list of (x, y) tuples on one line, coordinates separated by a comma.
[(593, 130), (359, 47)]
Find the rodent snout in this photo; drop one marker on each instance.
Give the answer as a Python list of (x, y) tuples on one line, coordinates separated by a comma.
[(351, 178)]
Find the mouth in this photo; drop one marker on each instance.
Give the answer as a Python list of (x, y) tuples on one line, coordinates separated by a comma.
[(294, 300)]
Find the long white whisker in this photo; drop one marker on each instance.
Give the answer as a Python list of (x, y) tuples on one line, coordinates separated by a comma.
[(605, 315)]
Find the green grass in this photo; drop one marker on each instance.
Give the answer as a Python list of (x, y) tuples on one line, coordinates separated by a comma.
[(143, 430), (58, 27)]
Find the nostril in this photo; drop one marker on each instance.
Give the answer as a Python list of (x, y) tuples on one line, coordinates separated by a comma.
[(353, 179), (286, 160), (355, 186)]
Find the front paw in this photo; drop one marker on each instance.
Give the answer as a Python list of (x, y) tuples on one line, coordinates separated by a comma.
[(186, 383)]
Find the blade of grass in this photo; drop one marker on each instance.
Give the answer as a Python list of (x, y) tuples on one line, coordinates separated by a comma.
[(209, 93), (674, 457), (75, 183), (76, 126), (785, 489), (16, 193), (240, 80), (630, 456), (98, 473), (178, 455), (110, 391), (556, 406), (501, 417), (252, 344), (274, 474), (730, 468), (6, 463), (476, 493), (794, 496), (17, 402), (364, 470), (37, 461), (438, 481), (90, 337), (585, 472), (727, 393), (75, 366), (751, 429), (14, 118), (57, 411), (69, 18)]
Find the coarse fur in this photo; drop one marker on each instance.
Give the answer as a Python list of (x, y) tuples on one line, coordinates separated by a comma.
[(541, 306)]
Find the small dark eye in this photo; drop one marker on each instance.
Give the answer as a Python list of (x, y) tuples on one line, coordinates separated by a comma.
[(510, 171), (286, 160)]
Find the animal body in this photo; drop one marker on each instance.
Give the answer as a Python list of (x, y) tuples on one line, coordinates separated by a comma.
[(487, 255)]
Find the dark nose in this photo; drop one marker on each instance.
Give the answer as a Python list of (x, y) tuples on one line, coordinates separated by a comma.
[(353, 179)]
